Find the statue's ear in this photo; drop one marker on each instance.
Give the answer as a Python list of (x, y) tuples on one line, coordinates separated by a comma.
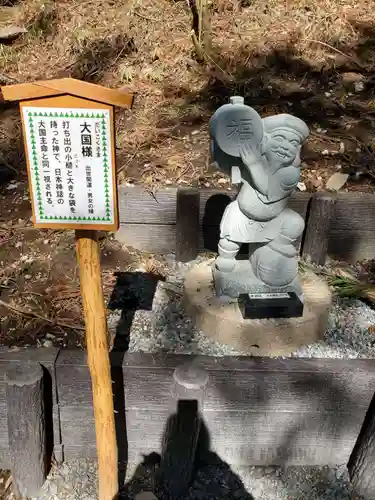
[(297, 159), (264, 144)]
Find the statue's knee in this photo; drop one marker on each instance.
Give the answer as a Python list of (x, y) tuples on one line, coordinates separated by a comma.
[(293, 224), (226, 260)]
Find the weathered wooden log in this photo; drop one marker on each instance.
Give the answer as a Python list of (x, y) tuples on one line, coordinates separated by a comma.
[(182, 430), (187, 224), (26, 428), (362, 460), (319, 216)]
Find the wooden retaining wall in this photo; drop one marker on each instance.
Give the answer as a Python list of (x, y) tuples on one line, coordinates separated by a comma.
[(257, 411), (160, 223)]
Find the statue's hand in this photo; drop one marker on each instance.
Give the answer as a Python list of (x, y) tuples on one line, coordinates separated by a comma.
[(252, 160), (249, 154)]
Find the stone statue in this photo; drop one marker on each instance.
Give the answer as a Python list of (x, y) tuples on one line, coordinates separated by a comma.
[(263, 157)]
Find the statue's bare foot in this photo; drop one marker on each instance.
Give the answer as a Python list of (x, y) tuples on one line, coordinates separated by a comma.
[(225, 265)]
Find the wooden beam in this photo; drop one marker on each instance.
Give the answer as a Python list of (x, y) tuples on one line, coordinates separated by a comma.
[(24, 91), (46, 358), (91, 91), (149, 224), (71, 86), (318, 224), (362, 461), (187, 224), (26, 428), (324, 399), (182, 430), (139, 206)]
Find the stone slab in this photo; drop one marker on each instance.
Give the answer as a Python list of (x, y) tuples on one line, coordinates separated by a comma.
[(223, 322)]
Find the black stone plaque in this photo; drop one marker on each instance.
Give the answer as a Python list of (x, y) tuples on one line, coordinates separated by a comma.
[(270, 305)]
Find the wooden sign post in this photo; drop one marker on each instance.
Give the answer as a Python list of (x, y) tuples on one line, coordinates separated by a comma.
[(69, 137)]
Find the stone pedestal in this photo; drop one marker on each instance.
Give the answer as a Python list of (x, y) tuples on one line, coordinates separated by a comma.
[(224, 323)]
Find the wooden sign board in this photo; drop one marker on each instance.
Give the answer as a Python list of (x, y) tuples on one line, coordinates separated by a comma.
[(70, 152)]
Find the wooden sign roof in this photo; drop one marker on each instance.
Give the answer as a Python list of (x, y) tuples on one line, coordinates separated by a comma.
[(70, 86)]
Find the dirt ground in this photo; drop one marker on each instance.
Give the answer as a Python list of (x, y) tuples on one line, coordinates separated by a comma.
[(40, 300), (313, 59)]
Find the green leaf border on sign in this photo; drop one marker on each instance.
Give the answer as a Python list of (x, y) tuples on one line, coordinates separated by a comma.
[(69, 114)]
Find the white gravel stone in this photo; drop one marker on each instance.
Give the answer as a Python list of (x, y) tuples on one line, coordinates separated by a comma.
[(75, 480), (214, 480), (167, 327)]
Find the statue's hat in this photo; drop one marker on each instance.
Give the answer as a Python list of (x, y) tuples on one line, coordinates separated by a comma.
[(286, 122)]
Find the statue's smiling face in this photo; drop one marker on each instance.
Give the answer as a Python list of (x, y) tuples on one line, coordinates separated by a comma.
[(282, 147)]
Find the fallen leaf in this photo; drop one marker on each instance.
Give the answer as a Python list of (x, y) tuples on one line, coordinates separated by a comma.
[(314, 181), (222, 181), (336, 181), (14, 185), (351, 78), (10, 33)]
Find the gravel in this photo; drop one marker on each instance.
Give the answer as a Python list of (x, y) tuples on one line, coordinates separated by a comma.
[(214, 480), (74, 480), (165, 327), (347, 335), (161, 325)]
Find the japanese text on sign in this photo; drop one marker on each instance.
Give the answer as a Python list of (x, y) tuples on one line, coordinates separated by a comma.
[(70, 165)]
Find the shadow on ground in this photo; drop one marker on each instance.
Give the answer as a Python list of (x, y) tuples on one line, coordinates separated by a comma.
[(133, 291), (211, 477)]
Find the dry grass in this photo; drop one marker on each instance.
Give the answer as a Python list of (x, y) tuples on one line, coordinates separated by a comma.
[(146, 47), (39, 277), (346, 285)]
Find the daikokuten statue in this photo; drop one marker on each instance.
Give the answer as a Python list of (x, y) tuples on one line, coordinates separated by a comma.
[(263, 157)]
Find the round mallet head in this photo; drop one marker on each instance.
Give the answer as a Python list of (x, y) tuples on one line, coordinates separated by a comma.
[(235, 124)]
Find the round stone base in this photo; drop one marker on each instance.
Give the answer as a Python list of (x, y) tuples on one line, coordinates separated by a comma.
[(224, 323)]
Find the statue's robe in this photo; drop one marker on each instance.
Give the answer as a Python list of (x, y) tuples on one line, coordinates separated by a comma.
[(255, 217)]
